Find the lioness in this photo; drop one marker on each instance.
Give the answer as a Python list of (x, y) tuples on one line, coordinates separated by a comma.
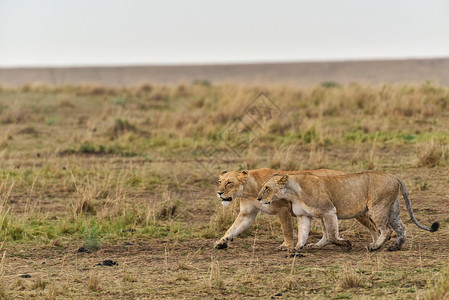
[(344, 196), (246, 185)]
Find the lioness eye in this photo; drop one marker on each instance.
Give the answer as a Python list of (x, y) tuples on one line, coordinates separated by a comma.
[(219, 181), (228, 183), (266, 188)]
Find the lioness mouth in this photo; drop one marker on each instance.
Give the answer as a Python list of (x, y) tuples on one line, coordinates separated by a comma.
[(226, 201)]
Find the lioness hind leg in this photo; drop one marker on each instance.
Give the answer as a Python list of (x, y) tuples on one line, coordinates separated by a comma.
[(385, 232), (365, 221), (396, 224), (331, 224), (383, 223)]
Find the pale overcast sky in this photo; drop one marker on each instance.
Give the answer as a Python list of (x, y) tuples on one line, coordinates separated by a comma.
[(103, 32)]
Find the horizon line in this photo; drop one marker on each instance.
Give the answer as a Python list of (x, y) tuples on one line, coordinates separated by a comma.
[(229, 63)]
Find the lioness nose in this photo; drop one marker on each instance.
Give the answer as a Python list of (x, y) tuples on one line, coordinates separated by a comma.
[(258, 199), (220, 193)]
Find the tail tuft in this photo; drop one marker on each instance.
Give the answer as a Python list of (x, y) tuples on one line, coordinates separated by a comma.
[(434, 227)]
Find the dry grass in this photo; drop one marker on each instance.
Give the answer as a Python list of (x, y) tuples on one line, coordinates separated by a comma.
[(39, 283), (432, 154), (440, 290), (350, 278), (93, 284), (135, 169)]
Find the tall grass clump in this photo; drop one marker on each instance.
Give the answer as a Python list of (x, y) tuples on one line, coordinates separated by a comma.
[(432, 154), (350, 278)]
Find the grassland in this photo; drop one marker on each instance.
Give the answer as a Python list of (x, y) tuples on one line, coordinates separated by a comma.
[(130, 175)]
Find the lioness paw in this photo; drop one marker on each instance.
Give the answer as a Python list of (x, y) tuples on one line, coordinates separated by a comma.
[(285, 246), (372, 248), (220, 245), (315, 246), (292, 250)]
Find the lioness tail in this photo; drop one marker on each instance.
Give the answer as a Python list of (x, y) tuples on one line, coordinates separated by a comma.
[(404, 192)]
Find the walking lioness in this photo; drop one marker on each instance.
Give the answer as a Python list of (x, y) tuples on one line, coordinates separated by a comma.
[(344, 196), (246, 185)]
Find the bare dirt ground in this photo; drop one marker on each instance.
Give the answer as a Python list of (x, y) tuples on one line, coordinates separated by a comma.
[(186, 268)]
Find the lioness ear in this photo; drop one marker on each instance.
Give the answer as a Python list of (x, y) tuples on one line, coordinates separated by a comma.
[(283, 180), (223, 172), (243, 176)]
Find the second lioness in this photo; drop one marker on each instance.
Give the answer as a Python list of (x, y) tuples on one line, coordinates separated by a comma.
[(345, 196), (246, 185)]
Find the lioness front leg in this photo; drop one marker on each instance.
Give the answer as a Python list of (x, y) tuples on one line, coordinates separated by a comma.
[(304, 223), (241, 223), (285, 217), (324, 240)]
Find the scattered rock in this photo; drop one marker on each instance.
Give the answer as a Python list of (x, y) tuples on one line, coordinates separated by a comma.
[(84, 250), (107, 262), (291, 255), (128, 244), (278, 294), (25, 276)]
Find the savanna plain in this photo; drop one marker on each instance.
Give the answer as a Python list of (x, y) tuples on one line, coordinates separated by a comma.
[(129, 175)]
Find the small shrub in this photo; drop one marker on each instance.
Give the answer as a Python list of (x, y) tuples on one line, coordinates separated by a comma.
[(330, 84), (422, 185), (91, 237), (203, 82), (87, 148), (122, 126)]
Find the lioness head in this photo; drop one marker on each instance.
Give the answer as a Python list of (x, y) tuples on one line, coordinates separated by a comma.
[(230, 185), (273, 189)]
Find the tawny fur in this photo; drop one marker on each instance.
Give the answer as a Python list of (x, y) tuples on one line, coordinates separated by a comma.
[(246, 185), (346, 196)]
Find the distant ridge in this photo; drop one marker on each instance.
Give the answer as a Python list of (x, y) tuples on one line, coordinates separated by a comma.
[(295, 73)]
